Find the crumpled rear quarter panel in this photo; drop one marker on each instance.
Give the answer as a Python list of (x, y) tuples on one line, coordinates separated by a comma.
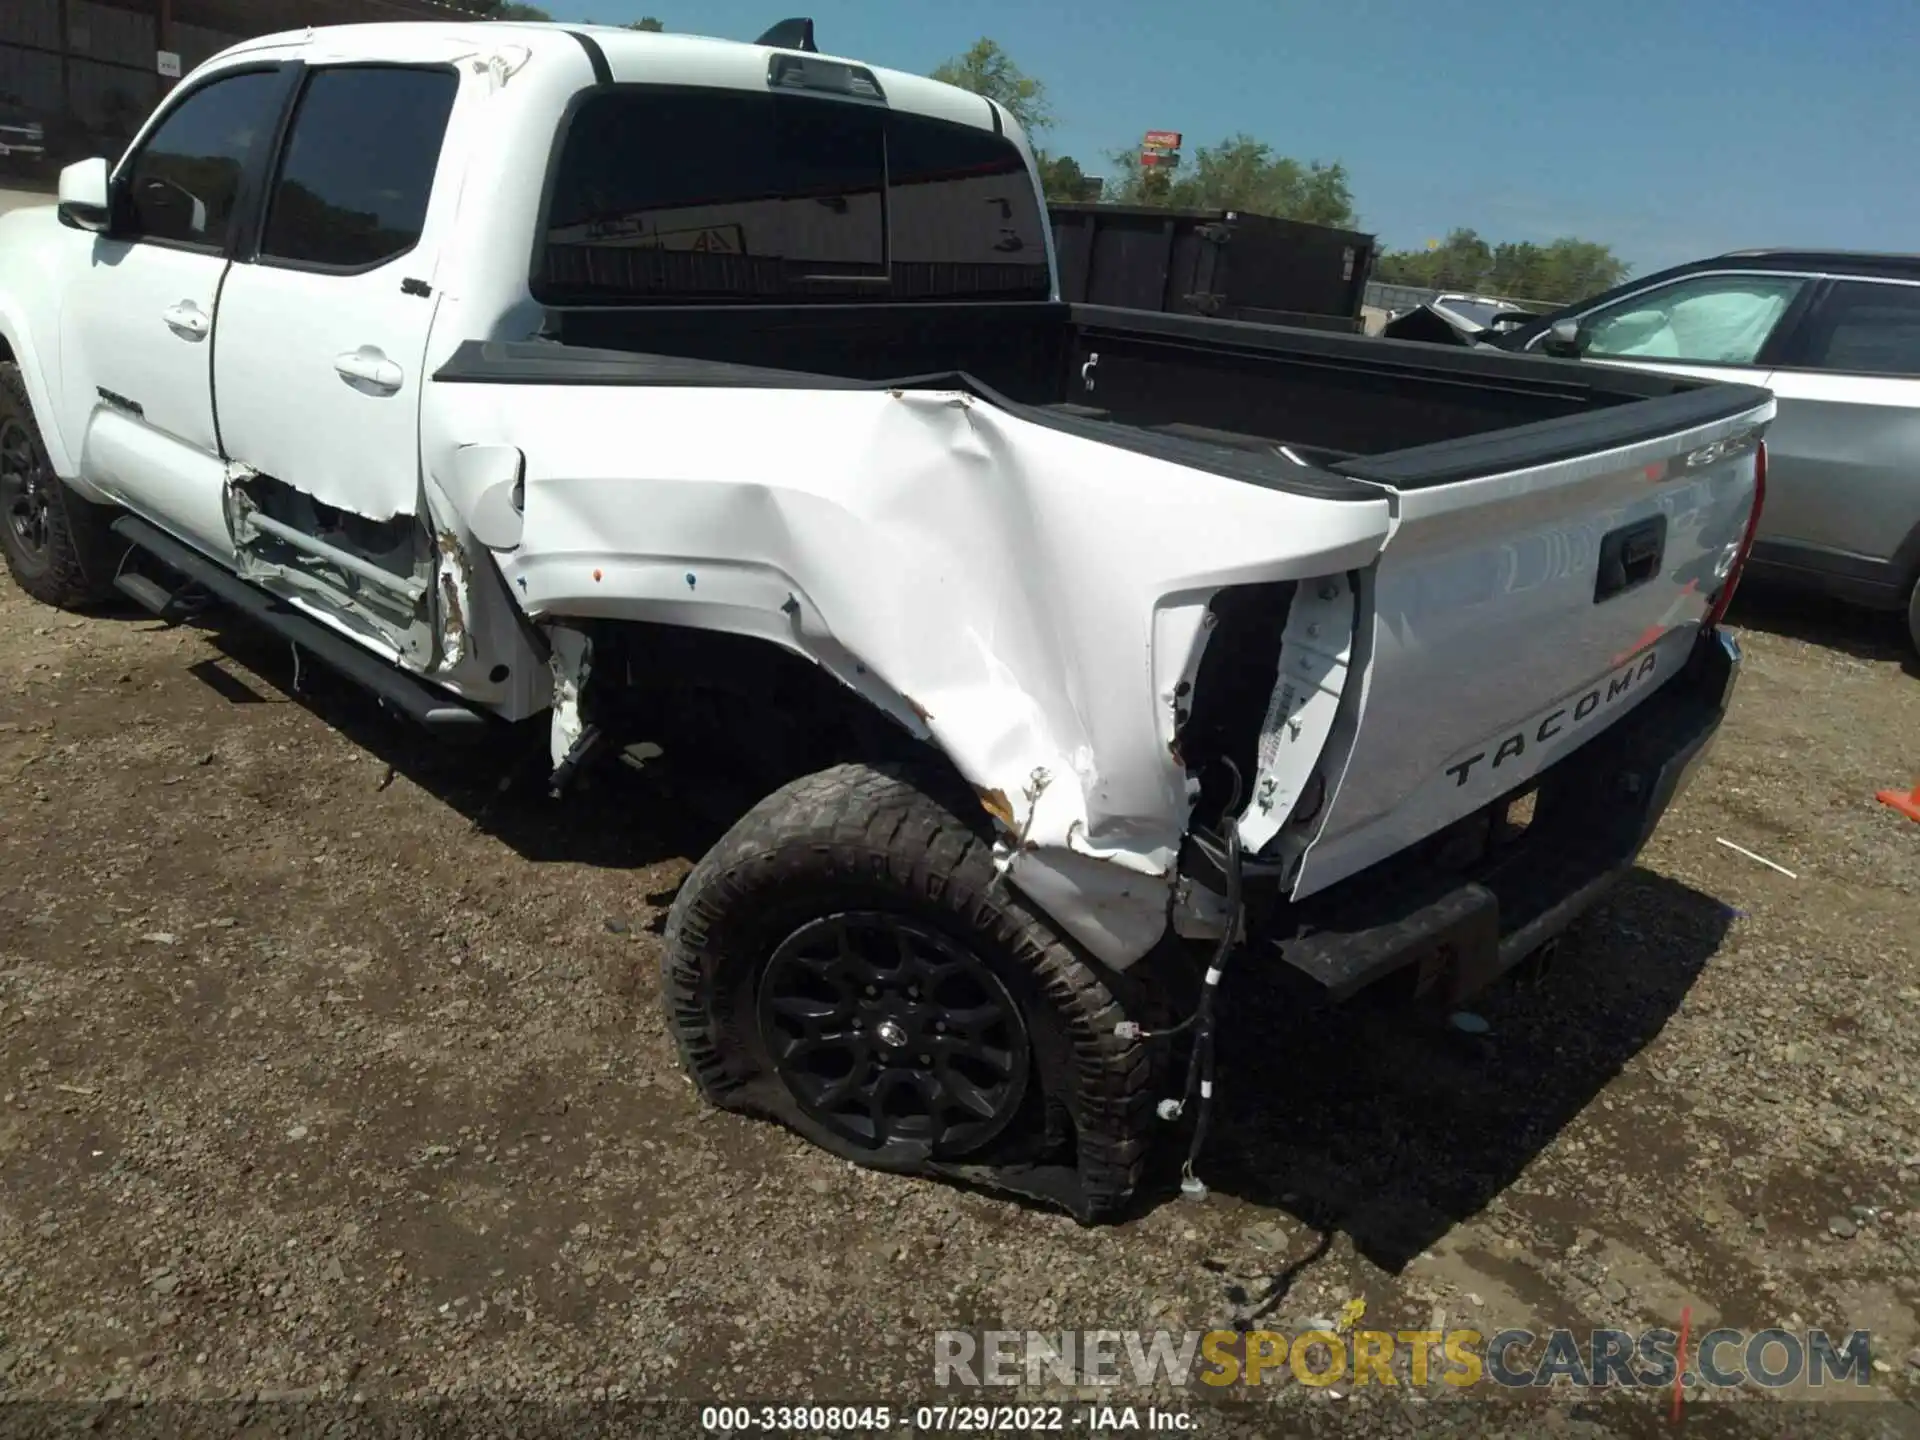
[(1025, 598)]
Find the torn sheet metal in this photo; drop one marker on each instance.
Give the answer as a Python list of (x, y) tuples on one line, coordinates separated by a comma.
[(1028, 600), (453, 597), (1315, 653), (377, 607), (1176, 669), (497, 659), (570, 660)]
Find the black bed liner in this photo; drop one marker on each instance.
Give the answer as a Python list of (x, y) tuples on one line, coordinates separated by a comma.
[(1317, 413), (542, 362)]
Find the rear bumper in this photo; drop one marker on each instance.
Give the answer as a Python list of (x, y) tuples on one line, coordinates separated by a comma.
[(1463, 926)]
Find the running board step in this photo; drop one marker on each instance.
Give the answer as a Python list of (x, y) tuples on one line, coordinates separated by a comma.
[(150, 595), (422, 703)]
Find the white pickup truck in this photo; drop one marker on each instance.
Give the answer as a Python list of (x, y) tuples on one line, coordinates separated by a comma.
[(625, 384)]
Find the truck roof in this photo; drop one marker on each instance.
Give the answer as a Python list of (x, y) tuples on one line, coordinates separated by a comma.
[(621, 55)]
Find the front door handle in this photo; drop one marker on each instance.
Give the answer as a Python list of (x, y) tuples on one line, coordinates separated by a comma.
[(187, 320), (366, 369)]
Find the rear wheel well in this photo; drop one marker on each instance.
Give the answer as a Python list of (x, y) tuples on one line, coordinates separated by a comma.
[(761, 711)]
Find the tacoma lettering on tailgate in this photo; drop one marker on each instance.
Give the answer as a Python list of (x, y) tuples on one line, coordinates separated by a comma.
[(1557, 721)]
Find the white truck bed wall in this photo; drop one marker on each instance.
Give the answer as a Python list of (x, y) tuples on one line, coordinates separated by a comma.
[(1026, 599)]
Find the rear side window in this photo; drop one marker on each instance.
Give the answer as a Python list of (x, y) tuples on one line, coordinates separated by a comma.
[(181, 185), (713, 195), (358, 169), (1865, 329), (1706, 319)]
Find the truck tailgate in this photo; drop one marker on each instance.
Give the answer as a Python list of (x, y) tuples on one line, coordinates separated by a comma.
[(1514, 615)]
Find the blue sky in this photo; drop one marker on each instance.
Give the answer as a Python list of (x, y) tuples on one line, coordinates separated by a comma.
[(1669, 129)]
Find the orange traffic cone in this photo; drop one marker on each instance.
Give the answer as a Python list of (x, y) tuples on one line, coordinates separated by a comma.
[(1908, 804)]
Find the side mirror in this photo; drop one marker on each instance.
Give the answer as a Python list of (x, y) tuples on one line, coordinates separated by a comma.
[(1507, 319), (1565, 339), (84, 201)]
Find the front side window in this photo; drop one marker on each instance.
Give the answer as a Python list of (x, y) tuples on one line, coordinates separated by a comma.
[(183, 183), (1863, 328), (1706, 319), (716, 195), (360, 158)]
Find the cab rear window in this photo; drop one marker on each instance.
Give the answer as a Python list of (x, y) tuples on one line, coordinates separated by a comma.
[(673, 195)]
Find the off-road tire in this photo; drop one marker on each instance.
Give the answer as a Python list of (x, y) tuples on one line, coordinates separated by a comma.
[(860, 838), (70, 558)]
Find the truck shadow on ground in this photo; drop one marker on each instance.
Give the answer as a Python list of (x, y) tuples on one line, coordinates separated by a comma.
[(613, 816), (1821, 620), (1388, 1124)]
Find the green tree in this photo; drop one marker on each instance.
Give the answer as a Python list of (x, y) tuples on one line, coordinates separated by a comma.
[(645, 22), (1139, 184), (508, 10), (1462, 261), (1565, 270), (987, 70), (1063, 179), (1241, 173)]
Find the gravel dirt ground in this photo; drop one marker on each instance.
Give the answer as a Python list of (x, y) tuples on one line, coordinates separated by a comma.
[(329, 1068)]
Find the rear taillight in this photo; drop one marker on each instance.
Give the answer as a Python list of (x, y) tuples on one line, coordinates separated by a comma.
[(1724, 596)]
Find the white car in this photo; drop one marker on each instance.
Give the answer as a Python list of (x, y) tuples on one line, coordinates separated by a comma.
[(20, 136), (1472, 312), (631, 384)]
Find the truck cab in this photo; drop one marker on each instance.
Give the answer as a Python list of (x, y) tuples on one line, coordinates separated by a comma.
[(335, 197)]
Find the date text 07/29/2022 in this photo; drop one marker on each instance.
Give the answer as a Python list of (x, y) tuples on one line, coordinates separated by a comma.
[(940, 1419)]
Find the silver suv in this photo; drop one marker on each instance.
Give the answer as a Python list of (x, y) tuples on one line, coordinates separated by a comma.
[(1836, 336)]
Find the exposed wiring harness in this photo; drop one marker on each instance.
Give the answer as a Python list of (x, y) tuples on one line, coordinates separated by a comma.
[(1201, 1021)]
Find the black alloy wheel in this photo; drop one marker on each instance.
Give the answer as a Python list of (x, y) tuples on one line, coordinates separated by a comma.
[(59, 547), (25, 491), (886, 1032), (845, 961)]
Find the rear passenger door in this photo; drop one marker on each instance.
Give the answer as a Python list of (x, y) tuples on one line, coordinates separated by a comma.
[(322, 335), (1843, 457)]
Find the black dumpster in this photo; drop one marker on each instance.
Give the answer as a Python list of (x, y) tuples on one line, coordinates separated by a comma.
[(1225, 263)]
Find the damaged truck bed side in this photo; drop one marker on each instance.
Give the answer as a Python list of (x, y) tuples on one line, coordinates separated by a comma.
[(1065, 642)]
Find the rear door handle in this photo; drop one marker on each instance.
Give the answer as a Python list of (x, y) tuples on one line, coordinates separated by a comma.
[(367, 369), (187, 320)]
